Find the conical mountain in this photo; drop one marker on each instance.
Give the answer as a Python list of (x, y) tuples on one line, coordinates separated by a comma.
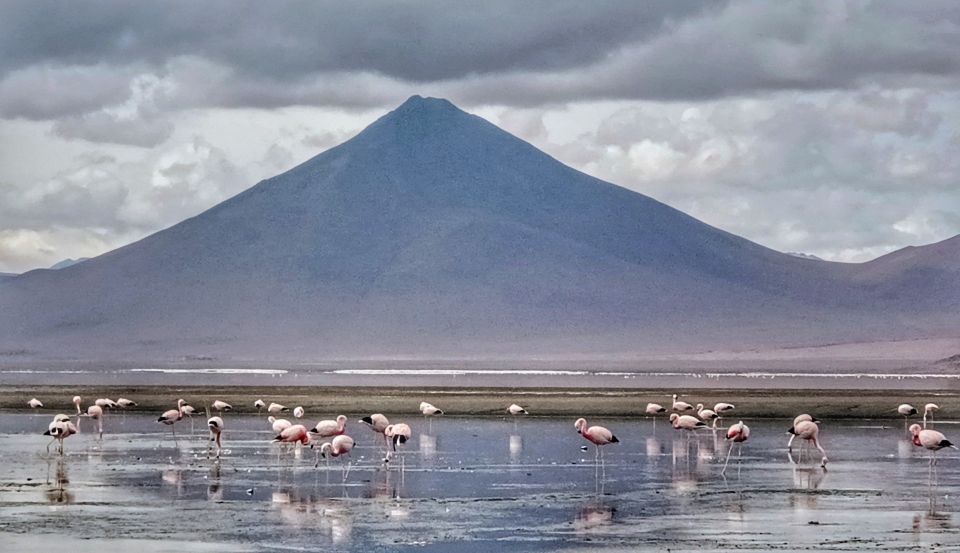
[(435, 233)]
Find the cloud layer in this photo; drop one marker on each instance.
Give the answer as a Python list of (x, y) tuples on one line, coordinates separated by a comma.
[(826, 128)]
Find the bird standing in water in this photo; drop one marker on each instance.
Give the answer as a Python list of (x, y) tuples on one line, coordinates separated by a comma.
[(737, 434)]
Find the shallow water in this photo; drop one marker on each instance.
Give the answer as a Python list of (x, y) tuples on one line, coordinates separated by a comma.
[(471, 484)]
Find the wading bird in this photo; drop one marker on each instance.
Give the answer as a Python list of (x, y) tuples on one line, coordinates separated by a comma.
[(329, 428), (429, 410), (597, 435), (172, 416), (686, 422), (722, 408), (295, 434), (35, 403), (930, 440), (221, 406), (105, 403), (125, 403), (792, 430), (680, 405), (377, 423), (655, 409), (60, 429), (928, 410), (515, 409), (94, 412), (707, 415), (278, 425), (215, 424), (298, 412), (259, 404), (396, 434), (276, 409), (809, 431), (907, 411), (340, 446), (737, 434)]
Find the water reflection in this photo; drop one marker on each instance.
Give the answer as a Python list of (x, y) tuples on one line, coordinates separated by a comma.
[(593, 516), (57, 492), (428, 446), (516, 447)]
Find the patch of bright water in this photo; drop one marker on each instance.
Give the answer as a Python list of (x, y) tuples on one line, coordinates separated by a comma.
[(470, 484)]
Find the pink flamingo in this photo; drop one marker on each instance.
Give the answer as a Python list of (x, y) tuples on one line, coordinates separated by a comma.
[(377, 423), (737, 433), (597, 435), (397, 434), (808, 430), (94, 412), (329, 428), (296, 433), (60, 429), (930, 440), (340, 446), (172, 416)]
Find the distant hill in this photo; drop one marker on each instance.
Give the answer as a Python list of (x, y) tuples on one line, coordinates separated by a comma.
[(434, 233), (67, 263)]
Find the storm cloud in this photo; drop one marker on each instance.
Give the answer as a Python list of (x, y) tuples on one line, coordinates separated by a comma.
[(824, 127)]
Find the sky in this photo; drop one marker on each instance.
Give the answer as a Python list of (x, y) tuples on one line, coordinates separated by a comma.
[(828, 128)]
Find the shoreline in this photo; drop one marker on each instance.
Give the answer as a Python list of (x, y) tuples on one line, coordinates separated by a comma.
[(766, 403)]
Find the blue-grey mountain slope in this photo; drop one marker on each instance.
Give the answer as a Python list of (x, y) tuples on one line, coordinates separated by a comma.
[(434, 233)]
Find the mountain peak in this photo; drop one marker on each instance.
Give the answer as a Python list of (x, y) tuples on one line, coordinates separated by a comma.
[(417, 105)]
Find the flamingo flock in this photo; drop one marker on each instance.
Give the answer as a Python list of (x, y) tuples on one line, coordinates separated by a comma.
[(330, 439)]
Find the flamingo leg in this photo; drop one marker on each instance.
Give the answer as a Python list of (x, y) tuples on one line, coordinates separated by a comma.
[(823, 460), (729, 451)]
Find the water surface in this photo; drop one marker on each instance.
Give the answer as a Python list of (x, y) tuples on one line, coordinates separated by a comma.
[(471, 484)]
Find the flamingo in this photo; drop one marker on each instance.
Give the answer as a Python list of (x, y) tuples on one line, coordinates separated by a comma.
[(188, 411), (94, 412), (377, 423), (215, 424), (298, 412), (907, 411), (737, 433), (397, 434), (278, 425), (928, 410), (329, 428), (104, 403), (294, 434), (221, 406), (930, 440), (171, 417), (797, 420), (721, 408), (707, 415), (276, 409), (60, 429), (655, 409), (808, 430), (125, 403), (515, 409), (259, 404), (35, 403), (340, 446), (680, 405), (429, 410), (686, 422), (597, 435)]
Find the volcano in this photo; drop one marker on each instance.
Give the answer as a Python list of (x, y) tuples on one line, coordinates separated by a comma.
[(433, 233)]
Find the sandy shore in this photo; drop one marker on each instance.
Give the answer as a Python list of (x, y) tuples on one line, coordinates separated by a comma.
[(492, 402)]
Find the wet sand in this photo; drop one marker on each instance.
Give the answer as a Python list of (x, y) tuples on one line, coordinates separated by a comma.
[(769, 403), (473, 484)]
